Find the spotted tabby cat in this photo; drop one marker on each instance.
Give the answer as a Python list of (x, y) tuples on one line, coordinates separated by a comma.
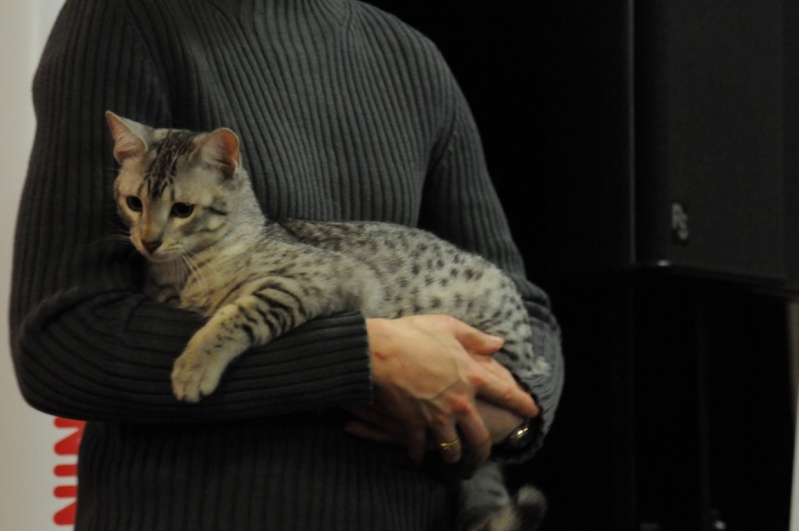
[(192, 213)]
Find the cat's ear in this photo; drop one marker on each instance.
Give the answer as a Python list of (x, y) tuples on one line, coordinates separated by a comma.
[(130, 138), (220, 148)]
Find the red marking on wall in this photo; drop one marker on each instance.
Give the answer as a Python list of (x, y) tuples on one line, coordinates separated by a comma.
[(66, 471), (68, 446)]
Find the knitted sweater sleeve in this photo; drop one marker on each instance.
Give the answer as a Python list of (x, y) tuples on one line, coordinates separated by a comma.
[(461, 205), (86, 343)]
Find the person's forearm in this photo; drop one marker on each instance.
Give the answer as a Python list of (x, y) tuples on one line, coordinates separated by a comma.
[(109, 357)]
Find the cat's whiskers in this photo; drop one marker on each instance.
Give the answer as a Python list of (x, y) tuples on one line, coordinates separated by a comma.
[(119, 239), (117, 236), (197, 272)]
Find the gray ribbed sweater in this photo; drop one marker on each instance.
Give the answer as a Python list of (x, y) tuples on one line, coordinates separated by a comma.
[(345, 113)]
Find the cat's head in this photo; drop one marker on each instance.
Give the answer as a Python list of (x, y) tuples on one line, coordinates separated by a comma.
[(176, 190)]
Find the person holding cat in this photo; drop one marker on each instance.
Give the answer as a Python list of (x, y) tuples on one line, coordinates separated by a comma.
[(348, 114)]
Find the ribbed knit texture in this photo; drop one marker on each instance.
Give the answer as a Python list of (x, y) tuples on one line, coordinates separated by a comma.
[(344, 113)]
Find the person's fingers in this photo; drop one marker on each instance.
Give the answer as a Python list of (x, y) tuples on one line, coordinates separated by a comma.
[(495, 384), (510, 397), (473, 340), (451, 450), (499, 421), (448, 442), (475, 437)]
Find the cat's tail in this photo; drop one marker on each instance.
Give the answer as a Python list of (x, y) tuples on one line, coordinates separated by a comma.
[(523, 512)]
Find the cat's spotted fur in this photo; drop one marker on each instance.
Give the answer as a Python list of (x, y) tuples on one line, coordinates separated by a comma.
[(192, 213)]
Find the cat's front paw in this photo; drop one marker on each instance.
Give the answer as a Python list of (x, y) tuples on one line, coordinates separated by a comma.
[(196, 373)]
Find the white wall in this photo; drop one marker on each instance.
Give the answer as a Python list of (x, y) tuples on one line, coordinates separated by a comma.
[(793, 327), (27, 438)]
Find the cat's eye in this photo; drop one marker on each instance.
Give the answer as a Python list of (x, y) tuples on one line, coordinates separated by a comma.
[(182, 210), (134, 203)]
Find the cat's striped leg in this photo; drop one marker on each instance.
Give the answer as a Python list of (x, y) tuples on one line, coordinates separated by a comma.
[(252, 320), (197, 371)]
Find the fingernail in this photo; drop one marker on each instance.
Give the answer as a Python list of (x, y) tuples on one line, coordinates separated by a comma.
[(497, 340)]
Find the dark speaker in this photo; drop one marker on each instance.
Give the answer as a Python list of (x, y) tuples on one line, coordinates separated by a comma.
[(708, 130), (667, 135)]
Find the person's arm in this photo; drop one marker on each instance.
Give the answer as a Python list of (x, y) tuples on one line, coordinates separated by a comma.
[(86, 342), (461, 205)]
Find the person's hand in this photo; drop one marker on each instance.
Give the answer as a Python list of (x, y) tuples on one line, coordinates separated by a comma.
[(428, 372), (377, 426)]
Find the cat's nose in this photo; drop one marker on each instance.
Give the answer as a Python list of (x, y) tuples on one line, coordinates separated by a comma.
[(151, 246)]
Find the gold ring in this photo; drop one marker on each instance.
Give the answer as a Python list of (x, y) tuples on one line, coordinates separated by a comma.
[(448, 445)]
